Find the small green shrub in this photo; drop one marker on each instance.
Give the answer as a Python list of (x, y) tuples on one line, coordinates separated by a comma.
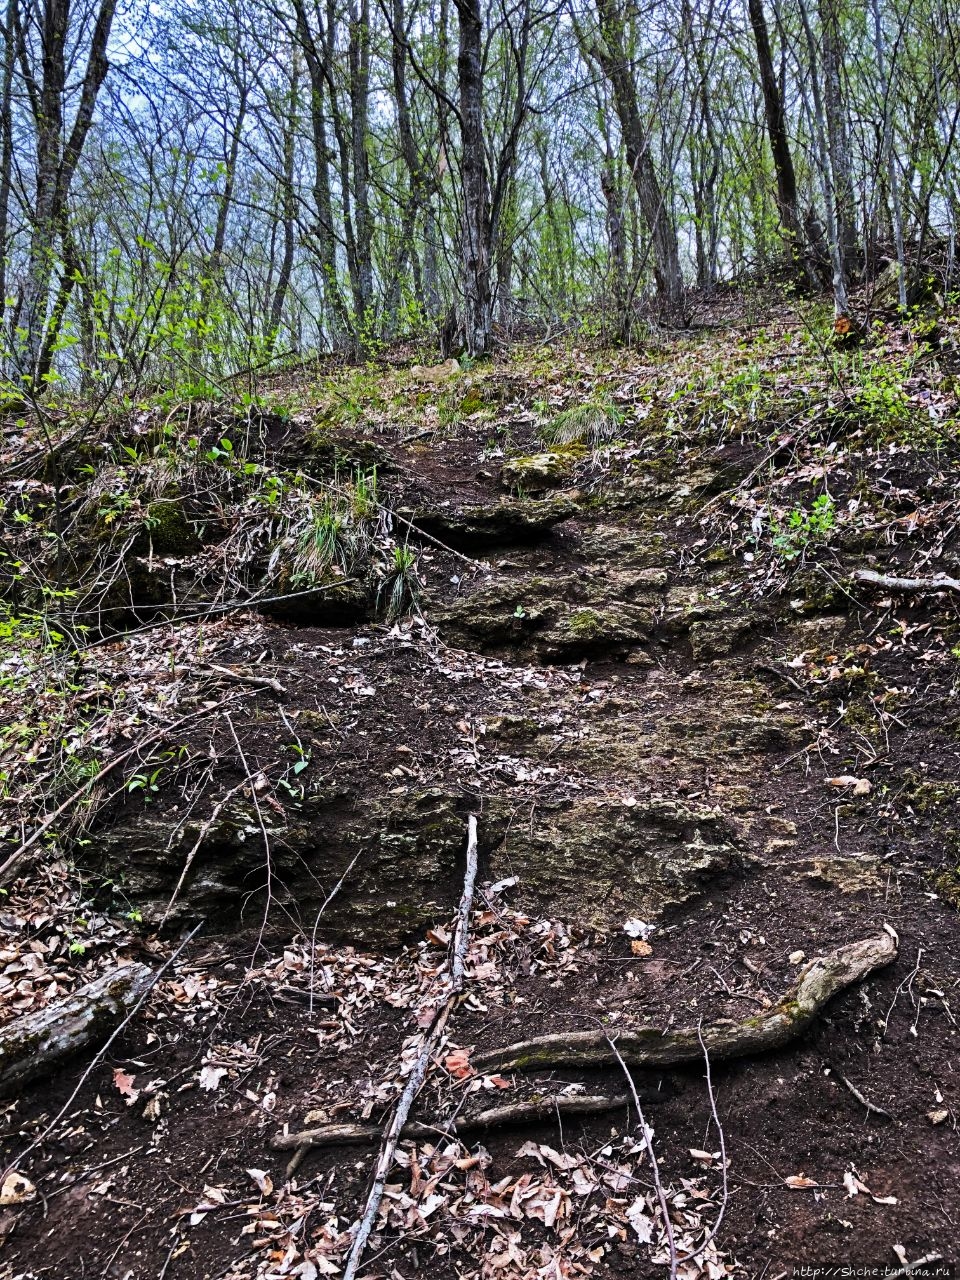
[(803, 528)]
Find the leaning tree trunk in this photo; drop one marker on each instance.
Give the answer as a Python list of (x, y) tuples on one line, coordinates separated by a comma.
[(612, 57), (476, 224), (788, 205)]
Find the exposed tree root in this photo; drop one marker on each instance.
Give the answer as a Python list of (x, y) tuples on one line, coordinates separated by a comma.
[(650, 1047), (335, 1135)]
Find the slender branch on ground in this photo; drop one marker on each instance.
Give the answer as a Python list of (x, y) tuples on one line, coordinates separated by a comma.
[(906, 586), (316, 924), (516, 1113), (864, 1102), (103, 1051), (646, 1134), (420, 1068)]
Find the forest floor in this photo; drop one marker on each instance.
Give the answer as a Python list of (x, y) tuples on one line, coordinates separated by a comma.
[(631, 641)]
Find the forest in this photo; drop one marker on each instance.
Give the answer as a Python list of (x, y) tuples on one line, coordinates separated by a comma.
[(479, 639), (213, 187)]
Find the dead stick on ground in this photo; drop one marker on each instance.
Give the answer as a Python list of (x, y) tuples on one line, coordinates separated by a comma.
[(725, 1195), (646, 1134), (104, 1050), (907, 586), (422, 1065), (864, 1102), (316, 924), (516, 1113)]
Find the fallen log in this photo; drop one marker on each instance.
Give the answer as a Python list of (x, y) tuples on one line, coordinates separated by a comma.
[(37, 1043), (335, 1135), (822, 979), (906, 586)]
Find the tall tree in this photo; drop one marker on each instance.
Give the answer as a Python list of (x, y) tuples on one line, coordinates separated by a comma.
[(611, 51)]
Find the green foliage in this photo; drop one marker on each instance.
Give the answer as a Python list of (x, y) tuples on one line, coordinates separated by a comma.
[(803, 529), (400, 587), (878, 394), (338, 530), (593, 423)]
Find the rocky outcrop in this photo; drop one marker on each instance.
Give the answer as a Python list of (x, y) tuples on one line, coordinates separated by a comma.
[(504, 523), (539, 471), (585, 859)]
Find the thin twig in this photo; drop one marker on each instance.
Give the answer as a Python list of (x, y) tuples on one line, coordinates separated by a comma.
[(654, 1166), (188, 861), (420, 1068), (10, 862), (316, 924), (864, 1102), (696, 1253)]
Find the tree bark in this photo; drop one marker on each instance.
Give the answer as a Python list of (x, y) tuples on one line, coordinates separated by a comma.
[(611, 53), (772, 1028), (476, 215), (787, 203), (37, 1043), (57, 157)]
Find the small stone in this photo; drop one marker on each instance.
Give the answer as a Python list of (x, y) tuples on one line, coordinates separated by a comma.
[(797, 957)]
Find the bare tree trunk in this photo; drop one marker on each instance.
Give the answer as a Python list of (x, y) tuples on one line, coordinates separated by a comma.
[(476, 217), (288, 208), (57, 156), (841, 303), (887, 157), (788, 205), (6, 153), (359, 63), (315, 56), (837, 134), (610, 53)]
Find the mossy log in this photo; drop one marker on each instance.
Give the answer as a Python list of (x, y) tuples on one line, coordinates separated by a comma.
[(822, 979), (37, 1043)]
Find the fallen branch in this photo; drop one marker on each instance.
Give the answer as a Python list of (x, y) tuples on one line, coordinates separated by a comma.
[(258, 682), (9, 863), (516, 1113), (420, 1068), (906, 586), (864, 1102), (38, 1042), (152, 979), (646, 1133), (823, 978)]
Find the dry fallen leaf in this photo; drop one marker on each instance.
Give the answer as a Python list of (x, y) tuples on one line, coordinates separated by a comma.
[(263, 1180), (937, 1117), (857, 786), (641, 948), (16, 1189), (458, 1064), (124, 1083), (210, 1077), (799, 1183)]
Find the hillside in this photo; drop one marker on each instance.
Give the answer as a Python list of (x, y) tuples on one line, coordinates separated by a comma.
[(677, 624)]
